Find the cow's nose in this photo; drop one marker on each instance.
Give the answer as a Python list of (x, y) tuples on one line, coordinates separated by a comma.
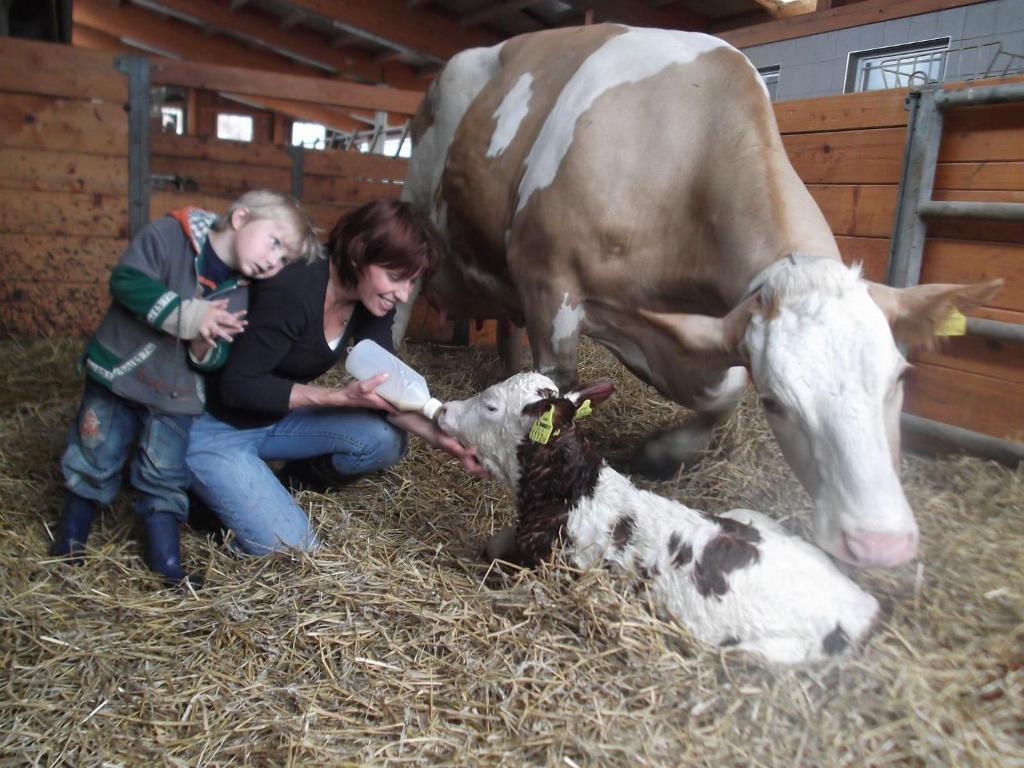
[(883, 550)]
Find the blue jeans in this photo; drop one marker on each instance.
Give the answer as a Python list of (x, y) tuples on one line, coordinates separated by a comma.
[(109, 431), (230, 474)]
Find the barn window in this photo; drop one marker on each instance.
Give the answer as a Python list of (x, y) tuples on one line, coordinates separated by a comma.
[(172, 120), (310, 135), (770, 75), (234, 127), (897, 66)]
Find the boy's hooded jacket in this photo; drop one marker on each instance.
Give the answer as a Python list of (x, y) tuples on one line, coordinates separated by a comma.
[(140, 350)]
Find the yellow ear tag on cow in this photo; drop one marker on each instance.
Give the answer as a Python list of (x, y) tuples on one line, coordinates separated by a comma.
[(542, 428), (955, 324), (584, 409)]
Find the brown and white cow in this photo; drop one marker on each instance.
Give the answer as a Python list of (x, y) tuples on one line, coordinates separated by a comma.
[(630, 184), (734, 579)]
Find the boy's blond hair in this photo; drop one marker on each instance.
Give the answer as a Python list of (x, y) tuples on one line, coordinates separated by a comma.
[(271, 204)]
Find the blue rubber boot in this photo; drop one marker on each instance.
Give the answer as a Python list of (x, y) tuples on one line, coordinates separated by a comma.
[(163, 549), (73, 531)]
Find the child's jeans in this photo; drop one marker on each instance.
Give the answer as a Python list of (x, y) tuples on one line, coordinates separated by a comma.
[(230, 474), (110, 430)]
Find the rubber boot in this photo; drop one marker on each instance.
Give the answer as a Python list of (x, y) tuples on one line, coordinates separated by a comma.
[(163, 549), (316, 474), (73, 531)]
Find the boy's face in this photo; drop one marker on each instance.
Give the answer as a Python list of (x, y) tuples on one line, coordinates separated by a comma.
[(263, 247)]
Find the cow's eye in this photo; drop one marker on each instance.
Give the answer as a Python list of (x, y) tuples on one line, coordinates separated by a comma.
[(490, 407), (772, 406)]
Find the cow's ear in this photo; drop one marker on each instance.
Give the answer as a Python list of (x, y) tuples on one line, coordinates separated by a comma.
[(706, 335), (596, 392), (915, 313)]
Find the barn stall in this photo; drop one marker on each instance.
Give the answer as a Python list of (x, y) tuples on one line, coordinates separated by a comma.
[(395, 643)]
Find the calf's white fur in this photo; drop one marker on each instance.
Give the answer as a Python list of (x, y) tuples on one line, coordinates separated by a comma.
[(736, 579)]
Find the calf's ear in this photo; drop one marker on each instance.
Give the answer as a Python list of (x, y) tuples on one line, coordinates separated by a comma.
[(915, 313), (596, 392), (706, 335)]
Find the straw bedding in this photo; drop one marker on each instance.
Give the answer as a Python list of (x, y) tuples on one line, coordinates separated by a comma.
[(394, 645)]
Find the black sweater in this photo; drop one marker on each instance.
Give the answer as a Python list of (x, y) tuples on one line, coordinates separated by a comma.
[(284, 345)]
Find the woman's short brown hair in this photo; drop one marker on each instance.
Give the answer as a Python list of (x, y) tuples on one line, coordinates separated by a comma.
[(388, 233)]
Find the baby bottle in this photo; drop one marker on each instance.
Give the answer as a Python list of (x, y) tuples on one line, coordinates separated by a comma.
[(404, 388)]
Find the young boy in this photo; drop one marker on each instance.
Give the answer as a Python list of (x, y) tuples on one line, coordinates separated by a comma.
[(179, 298)]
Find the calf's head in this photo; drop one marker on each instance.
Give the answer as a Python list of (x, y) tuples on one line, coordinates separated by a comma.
[(821, 346), (498, 419)]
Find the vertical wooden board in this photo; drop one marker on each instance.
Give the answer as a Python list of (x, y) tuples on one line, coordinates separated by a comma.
[(41, 122), (980, 403), (45, 171), (47, 258), (51, 308), (63, 213)]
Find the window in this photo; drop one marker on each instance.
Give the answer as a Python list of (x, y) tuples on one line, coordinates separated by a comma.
[(311, 135), (770, 75), (398, 147), (172, 120), (897, 66), (234, 127)]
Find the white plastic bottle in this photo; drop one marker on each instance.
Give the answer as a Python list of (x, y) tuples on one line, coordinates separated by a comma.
[(404, 388)]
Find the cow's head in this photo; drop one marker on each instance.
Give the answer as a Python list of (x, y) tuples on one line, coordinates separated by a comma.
[(497, 420), (821, 346)]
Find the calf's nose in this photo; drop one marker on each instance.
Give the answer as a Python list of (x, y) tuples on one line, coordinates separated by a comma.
[(884, 550)]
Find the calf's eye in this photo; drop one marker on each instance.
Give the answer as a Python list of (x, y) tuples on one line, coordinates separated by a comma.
[(771, 405)]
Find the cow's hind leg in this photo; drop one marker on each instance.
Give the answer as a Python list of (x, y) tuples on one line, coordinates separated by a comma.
[(553, 320), (510, 347), (663, 453)]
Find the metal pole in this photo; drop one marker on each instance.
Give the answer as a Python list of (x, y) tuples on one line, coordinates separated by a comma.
[(960, 209), (977, 444), (995, 330), (137, 70), (298, 169), (970, 97)]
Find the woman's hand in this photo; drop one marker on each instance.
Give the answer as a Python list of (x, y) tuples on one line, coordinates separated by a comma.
[(362, 394), (420, 425)]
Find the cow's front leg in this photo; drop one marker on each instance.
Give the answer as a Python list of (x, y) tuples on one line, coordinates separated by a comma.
[(662, 454), (510, 347), (554, 320)]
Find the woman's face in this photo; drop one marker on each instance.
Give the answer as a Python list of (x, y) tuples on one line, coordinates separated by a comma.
[(380, 289)]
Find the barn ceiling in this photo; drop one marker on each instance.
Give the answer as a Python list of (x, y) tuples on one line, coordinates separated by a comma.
[(400, 43)]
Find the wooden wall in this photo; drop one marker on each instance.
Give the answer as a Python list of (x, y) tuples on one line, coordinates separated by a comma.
[(849, 150), (64, 183)]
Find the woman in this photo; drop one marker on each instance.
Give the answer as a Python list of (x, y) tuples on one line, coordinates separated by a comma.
[(261, 407)]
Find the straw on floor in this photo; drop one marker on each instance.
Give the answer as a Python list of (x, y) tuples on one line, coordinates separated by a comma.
[(392, 645)]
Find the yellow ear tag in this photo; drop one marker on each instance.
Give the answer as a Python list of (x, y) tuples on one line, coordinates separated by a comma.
[(584, 409), (542, 428), (955, 324)]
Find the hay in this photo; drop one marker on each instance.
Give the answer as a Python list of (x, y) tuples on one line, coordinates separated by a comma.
[(386, 648)]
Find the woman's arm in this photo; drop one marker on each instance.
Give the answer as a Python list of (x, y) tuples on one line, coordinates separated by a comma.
[(358, 394), (420, 425)]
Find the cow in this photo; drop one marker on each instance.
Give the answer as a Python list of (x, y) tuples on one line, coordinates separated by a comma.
[(631, 185), (735, 579)]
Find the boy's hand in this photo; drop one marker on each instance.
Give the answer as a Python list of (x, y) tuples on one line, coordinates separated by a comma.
[(218, 323)]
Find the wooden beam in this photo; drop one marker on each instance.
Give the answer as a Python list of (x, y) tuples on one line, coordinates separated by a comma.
[(488, 12), (784, 10), (274, 85), (354, 64), (333, 117), (643, 15), (394, 24), (843, 17), (38, 68), (86, 38)]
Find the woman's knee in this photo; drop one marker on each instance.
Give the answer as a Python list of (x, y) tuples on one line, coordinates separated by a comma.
[(384, 445)]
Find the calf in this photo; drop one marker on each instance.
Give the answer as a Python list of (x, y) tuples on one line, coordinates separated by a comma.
[(731, 579)]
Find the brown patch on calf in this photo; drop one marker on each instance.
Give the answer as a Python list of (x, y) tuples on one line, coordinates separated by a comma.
[(836, 641), (730, 550), (622, 533), (553, 478), (680, 552)]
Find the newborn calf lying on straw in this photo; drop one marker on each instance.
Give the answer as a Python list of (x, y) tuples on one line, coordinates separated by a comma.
[(732, 579)]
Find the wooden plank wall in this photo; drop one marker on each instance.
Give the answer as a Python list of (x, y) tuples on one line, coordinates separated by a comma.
[(64, 183), (849, 151)]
